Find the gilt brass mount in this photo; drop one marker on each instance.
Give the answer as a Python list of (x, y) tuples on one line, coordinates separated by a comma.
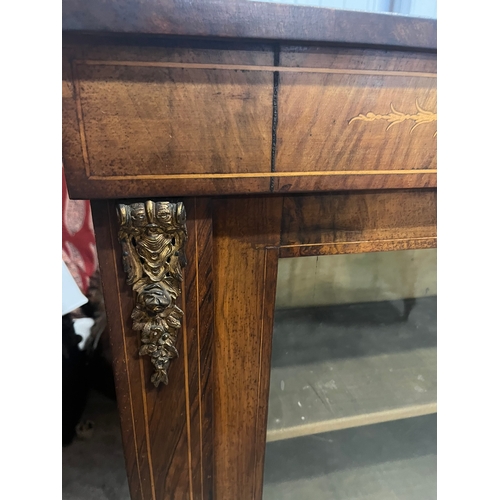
[(152, 235)]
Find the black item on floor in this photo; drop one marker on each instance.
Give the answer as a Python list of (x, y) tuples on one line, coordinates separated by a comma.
[(101, 374), (81, 371), (75, 380)]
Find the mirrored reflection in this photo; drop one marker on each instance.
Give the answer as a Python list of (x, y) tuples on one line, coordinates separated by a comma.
[(413, 8), (352, 402)]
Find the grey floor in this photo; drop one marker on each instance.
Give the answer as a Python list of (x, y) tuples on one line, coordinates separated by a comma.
[(394, 460), (94, 468), (350, 363), (388, 461)]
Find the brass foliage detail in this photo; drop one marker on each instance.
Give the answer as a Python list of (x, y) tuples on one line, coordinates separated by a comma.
[(152, 236), (422, 116)]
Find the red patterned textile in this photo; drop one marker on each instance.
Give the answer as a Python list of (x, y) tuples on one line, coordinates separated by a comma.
[(78, 240)]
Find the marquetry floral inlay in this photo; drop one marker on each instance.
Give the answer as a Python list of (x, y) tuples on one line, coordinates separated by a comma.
[(421, 117)]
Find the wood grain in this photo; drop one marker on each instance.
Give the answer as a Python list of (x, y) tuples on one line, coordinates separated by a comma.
[(356, 247), (131, 130), (323, 122), (191, 118), (361, 217), (167, 431), (349, 181), (84, 188), (148, 120), (124, 346), (246, 232), (356, 59), (244, 19), (199, 321)]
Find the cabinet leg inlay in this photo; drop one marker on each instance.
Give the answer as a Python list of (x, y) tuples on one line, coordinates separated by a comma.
[(153, 235)]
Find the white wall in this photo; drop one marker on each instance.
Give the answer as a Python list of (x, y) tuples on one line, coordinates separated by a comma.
[(338, 279), (415, 8)]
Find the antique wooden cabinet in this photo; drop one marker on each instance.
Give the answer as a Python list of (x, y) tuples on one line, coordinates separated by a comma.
[(215, 139)]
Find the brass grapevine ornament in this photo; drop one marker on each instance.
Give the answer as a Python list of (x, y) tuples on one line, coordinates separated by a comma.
[(152, 236)]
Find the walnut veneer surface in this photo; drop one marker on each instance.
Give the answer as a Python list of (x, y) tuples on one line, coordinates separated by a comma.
[(285, 131)]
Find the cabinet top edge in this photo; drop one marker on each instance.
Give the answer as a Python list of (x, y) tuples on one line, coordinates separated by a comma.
[(247, 20)]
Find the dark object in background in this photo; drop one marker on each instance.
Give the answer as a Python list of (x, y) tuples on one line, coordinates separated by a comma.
[(75, 380), (85, 369), (97, 345), (100, 373)]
